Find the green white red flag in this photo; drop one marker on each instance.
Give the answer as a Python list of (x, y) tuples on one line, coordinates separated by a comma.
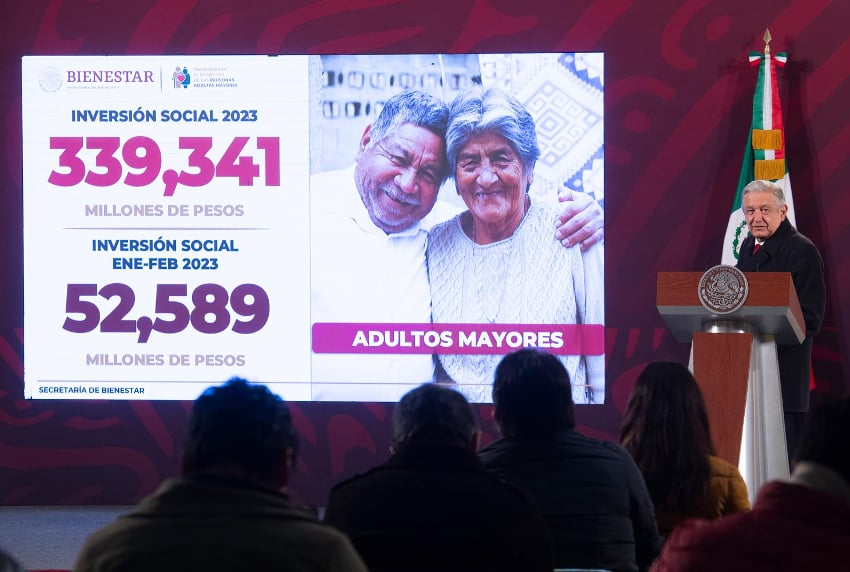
[(764, 155)]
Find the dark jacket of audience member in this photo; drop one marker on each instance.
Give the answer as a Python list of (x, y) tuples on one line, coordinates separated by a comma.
[(227, 512), (9, 564), (590, 492), (432, 506), (801, 524), (665, 428)]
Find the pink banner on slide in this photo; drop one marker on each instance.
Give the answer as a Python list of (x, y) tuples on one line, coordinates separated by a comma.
[(351, 338)]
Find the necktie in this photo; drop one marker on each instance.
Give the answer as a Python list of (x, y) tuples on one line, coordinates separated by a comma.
[(756, 248)]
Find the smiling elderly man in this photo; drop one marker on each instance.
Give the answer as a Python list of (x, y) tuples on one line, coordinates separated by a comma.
[(369, 227), (774, 245)]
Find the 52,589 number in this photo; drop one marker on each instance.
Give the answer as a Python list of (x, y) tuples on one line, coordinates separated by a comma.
[(209, 313)]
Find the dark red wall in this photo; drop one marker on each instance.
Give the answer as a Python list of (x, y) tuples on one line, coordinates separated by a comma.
[(678, 105)]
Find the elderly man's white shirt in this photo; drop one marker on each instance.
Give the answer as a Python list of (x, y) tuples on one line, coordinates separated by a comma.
[(361, 274)]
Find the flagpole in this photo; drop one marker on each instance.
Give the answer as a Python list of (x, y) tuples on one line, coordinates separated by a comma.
[(763, 454)]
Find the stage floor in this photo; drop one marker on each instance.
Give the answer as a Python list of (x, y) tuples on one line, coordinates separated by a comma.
[(49, 537)]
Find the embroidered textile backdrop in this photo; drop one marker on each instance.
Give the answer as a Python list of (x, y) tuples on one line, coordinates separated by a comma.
[(677, 104)]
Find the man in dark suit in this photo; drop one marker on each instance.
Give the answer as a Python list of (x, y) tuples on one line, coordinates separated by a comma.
[(774, 245), (432, 505)]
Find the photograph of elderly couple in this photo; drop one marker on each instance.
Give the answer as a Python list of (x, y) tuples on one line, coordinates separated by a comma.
[(455, 189)]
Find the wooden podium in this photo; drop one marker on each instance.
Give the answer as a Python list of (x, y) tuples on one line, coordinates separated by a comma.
[(722, 343)]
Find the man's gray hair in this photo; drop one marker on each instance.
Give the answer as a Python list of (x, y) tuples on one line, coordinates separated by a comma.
[(416, 107), (476, 111), (433, 413), (759, 185)]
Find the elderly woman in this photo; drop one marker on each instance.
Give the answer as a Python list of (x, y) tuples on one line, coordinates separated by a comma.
[(499, 261)]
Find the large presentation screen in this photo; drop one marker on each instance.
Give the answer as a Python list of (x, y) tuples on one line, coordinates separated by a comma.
[(340, 228)]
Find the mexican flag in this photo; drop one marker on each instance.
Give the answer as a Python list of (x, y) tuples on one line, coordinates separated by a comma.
[(764, 155)]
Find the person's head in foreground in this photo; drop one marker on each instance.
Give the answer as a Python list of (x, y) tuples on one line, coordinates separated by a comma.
[(763, 203), (401, 161), (801, 524), (226, 512), (432, 413), (590, 492), (241, 429), (432, 505), (491, 144), (665, 428), (9, 564), (532, 395), (826, 440)]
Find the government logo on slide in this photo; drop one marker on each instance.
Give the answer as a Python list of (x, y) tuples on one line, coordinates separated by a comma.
[(181, 77), (50, 79)]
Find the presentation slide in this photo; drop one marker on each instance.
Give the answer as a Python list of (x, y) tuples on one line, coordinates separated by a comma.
[(307, 222)]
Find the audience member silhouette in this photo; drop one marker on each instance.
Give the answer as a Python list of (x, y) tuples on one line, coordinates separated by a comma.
[(9, 564), (227, 512), (432, 506), (800, 524), (666, 430), (591, 493)]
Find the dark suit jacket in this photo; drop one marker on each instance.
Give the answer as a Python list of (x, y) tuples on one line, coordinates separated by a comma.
[(433, 507), (591, 494), (789, 251), (217, 524)]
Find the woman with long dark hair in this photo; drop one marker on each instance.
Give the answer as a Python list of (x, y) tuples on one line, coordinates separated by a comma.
[(665, 428)]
